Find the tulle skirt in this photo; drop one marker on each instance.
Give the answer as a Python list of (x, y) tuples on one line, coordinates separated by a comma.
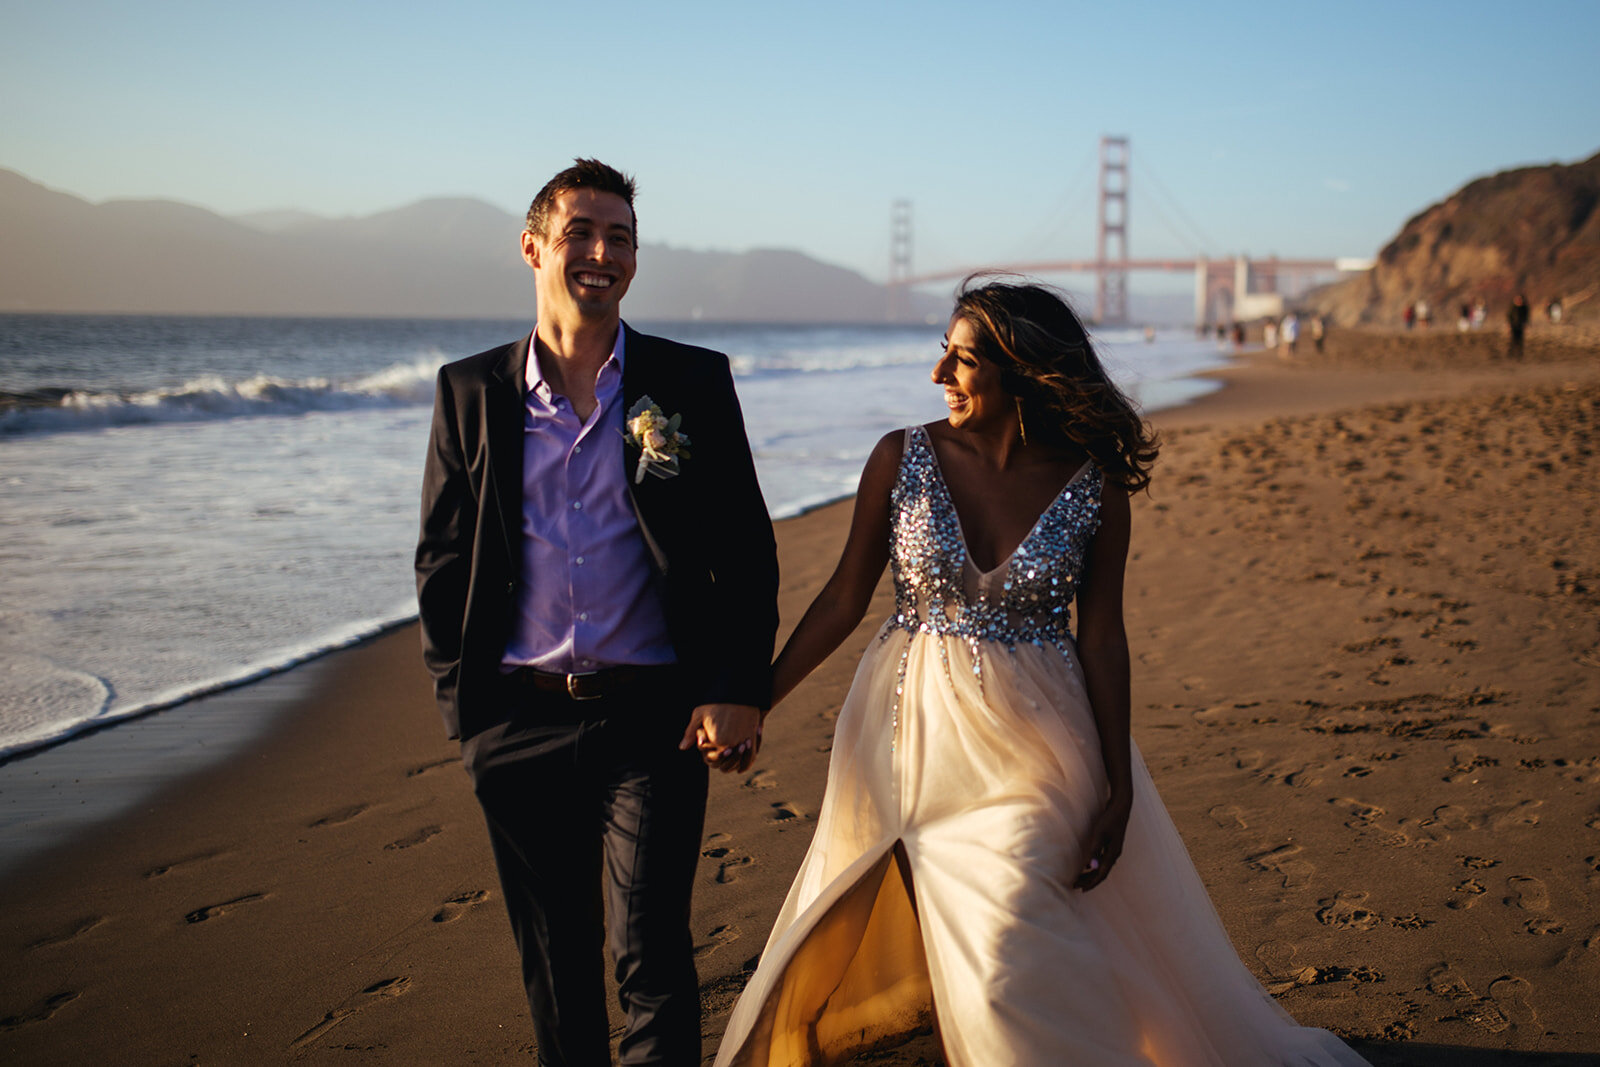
[(938, 889)]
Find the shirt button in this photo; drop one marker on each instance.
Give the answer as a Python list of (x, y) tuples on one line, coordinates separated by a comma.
[(583, 616), (580, 561), (577, 448), (577, 505)]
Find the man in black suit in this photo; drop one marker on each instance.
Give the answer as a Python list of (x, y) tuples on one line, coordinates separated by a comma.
[(596, 579)]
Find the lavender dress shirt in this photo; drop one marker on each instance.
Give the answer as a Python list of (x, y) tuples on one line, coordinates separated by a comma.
[(588, 598)]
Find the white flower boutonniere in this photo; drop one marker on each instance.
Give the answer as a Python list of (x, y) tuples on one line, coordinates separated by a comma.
[(661, 446)]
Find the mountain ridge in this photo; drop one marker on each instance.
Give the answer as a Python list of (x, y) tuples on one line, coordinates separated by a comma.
[(447, 257)]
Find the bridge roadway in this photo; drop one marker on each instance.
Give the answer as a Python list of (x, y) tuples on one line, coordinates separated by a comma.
[(1232, 288), (1095, 266)]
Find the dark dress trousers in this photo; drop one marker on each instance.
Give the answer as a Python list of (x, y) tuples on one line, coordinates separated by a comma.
[(577, 794)]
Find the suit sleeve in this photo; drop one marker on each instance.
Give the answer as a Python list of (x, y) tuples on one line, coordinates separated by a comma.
[(743, 558), (444, 549)]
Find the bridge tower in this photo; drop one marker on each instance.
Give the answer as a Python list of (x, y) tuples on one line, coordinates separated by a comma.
[(1111, 283), (900, 261)]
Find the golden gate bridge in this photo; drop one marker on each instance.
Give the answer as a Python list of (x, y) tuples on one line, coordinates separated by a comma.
[(1233, 288)]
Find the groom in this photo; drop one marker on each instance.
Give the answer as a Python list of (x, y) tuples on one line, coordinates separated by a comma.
[(596, 584)]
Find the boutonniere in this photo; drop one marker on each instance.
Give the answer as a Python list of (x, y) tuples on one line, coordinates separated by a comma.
[(661, 446)]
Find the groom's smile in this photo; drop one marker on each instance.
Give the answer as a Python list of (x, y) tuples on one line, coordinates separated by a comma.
[(586, 259)]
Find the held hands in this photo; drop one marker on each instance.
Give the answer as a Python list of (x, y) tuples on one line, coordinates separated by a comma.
[(1105, 840), (728, 736)]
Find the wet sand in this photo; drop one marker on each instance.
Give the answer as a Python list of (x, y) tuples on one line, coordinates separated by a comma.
[(1364, 610)]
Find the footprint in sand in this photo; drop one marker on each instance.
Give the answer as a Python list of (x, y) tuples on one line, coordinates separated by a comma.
[(1445, 981), (414, 838), (715, 939), (728, 869), (388, 987), (72, 932), (783, 811), (1523, 814), (1228, 817), (1510, 994), (40, 1011), (1362, 814), (1469, 890), (1527, 893), (168, 868), (1530, 894), (729, 862), (1278, 958), (1344, 910), (459, 905), (1283, 860), (1582, 948), (211, 911), (1451, 817), (762, 779), (334, 818), (1291, 773)]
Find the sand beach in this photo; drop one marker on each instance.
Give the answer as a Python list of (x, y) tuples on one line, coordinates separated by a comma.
[(1364, 612)]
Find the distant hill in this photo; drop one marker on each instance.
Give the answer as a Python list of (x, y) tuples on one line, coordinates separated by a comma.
[(434, 258), (1534, 230)]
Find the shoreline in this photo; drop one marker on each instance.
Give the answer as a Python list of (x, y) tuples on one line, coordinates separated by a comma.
[(338, 850), (356, 632)]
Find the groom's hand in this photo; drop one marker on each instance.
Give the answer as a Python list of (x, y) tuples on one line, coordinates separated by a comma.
[(728, 736)]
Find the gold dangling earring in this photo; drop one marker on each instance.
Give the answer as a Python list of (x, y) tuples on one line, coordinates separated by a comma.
[(1022, 427)]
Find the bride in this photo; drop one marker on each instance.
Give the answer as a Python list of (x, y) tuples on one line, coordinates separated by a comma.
[(991, 856)]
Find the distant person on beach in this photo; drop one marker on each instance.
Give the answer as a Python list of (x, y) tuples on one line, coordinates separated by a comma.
[(1319, 331), (990, 846), (1409, 315), (596, 579), (1291, 333), (1269, 333), (1517, 322)]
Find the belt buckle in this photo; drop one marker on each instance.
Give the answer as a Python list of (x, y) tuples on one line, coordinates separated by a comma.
[(572, 686)]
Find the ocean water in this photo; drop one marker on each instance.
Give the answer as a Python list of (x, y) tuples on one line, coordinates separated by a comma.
[(191, 503)]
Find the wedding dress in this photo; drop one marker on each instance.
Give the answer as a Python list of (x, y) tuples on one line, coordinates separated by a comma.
[(965, 774)]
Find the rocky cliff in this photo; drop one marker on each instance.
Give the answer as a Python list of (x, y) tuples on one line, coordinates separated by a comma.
[(1533, 230)]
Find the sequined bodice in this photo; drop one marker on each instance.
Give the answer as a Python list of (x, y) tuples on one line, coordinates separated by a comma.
[(937, 587)]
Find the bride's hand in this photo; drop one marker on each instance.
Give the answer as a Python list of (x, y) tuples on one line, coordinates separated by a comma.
[(1105, 840)]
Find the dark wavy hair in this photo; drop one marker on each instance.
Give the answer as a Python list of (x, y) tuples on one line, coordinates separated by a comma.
[(1047, 361)]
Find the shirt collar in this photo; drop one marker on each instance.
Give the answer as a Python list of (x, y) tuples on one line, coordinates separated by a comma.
[(534, 374)]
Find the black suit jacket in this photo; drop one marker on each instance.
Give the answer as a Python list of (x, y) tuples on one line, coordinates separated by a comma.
[(707, 529)]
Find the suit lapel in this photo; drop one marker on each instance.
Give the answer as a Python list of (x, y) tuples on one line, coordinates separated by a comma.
[(504, 405), (638, 378)]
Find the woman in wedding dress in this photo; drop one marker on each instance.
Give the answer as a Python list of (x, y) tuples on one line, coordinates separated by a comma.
[(991, 856)]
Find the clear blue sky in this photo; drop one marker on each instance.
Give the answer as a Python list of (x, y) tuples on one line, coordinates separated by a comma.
[(1276, 127)]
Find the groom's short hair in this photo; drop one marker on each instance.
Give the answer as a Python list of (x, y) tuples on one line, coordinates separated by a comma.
[(583, 174)]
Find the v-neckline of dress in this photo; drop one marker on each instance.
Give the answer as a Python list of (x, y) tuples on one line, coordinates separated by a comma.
[(961, 530)]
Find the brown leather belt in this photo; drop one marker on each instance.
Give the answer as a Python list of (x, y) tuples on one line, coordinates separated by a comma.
[(587, 685)]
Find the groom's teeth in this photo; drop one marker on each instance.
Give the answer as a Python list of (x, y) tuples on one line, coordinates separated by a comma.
[(594, 280)]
